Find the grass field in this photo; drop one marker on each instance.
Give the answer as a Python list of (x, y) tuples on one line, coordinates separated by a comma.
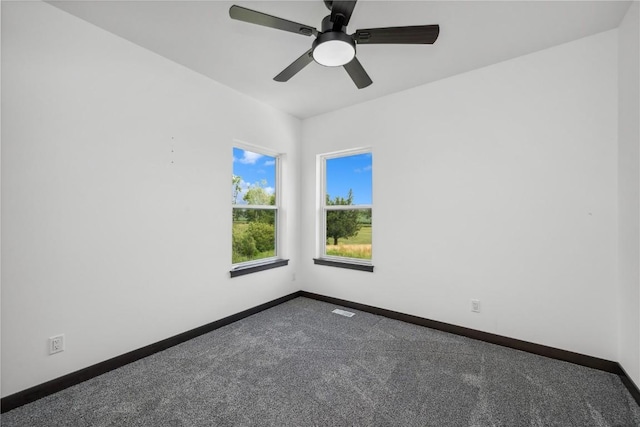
[(237, 258), (358, 246)]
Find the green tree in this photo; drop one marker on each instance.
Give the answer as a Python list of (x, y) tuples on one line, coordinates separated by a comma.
[(264, 236), (254, 229), (243, 245), (258, 195), (236, 188), (364, 216), (342, 223)]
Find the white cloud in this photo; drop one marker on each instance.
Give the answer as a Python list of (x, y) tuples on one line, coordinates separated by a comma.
[(249, 158), (269, 190), (269, 163), (364, 169)]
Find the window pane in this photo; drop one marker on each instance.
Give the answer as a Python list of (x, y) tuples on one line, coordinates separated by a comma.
[(349, 174), (254, 178), (349, 233), (254, 234)]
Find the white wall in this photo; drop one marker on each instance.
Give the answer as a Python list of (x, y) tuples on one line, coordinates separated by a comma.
[(116, 167), (498, 184), (629, 191)]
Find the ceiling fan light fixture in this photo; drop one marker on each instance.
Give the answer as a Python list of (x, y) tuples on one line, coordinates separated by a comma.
[(333, 49)]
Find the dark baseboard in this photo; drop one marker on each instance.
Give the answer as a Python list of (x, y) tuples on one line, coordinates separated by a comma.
[(37, 392), (541, 350), (630, 385)]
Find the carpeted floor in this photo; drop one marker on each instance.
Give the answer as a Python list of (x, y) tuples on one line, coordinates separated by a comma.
[(298, 364)]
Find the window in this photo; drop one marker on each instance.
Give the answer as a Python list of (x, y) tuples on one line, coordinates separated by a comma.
[(255, 206), (346, 210)]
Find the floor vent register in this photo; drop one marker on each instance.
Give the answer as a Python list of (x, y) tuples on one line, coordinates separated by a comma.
[(343, 313)]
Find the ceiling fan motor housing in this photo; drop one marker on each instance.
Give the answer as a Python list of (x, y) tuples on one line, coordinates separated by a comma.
[(329, 25)]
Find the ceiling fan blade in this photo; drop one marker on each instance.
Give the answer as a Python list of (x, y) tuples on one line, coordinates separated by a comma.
[(358, 74), (259, 18), (295, 67), (341, 13), (419, 34)]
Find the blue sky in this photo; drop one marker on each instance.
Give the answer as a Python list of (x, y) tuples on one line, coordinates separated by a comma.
[(351, 172), (343, 173), (254, 168)]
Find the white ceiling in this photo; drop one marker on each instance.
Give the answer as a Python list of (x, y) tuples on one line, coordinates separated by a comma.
[(201, 36)]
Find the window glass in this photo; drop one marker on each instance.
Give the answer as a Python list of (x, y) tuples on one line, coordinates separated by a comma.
[(347, 206), (255, 206), (350, 173)]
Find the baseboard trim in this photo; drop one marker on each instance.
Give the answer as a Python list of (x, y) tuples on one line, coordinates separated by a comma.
[(541, 350), (630, 385), (42, 390)]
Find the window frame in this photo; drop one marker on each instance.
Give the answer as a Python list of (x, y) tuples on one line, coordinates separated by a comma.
[(322, 208), (246, 267)]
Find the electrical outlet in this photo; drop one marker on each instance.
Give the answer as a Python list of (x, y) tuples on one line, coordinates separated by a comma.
[(56, 344), (475, 305)]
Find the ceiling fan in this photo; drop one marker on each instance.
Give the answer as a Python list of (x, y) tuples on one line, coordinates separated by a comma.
[(333, 47)]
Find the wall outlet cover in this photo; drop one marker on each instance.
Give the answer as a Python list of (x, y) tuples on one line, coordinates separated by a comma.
[(56, 344), (475, 305)]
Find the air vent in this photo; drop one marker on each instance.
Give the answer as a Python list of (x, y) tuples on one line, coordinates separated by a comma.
[(343, 313)]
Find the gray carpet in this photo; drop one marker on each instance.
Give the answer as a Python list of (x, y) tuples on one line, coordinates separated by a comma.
[(298, 364)]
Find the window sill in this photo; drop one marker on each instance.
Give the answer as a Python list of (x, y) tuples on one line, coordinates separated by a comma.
[(344, 264), (241, 271)]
